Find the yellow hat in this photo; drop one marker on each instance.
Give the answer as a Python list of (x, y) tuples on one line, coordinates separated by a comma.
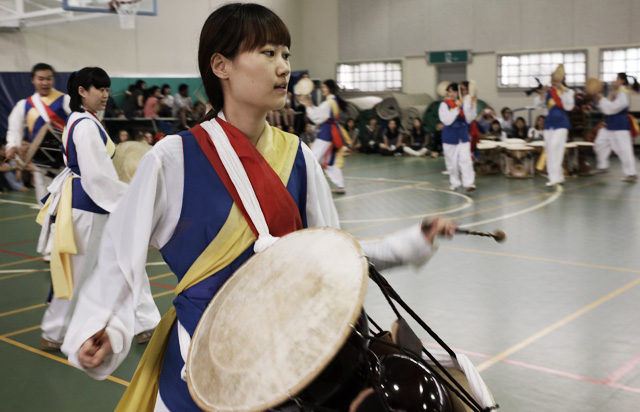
[(558, 74)]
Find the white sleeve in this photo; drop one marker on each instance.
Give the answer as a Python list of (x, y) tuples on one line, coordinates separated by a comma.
[(147, 215), (319, 114), (321, 211), (99, 177), (470, 109), (568, 100), (66, 104), (538, 101), (447, 117), (609, 107), (16, 125)]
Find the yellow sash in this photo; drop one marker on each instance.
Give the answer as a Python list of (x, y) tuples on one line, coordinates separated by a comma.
[(279, 149), (347, 139), (64, 241)]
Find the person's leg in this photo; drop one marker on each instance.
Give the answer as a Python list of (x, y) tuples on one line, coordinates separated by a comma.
[(466, 165), (602, 149), (554, 142), (622, 146), (450, 153)]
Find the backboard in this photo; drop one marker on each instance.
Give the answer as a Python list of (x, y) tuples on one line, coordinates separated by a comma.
[(147, 7)]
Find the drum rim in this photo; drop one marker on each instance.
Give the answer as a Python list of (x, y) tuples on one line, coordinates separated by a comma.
[(306, 380)]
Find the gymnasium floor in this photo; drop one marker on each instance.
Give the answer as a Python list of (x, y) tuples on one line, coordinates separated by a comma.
[(548, 317)]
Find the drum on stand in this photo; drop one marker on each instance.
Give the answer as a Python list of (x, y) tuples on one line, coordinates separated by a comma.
[(518, 161), (585, 149), (488, 161), (570, 160)]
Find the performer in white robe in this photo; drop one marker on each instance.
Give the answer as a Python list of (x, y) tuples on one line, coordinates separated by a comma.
[(80, 201)]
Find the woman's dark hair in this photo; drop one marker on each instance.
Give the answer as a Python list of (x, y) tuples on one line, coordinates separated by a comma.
[(452, 86), (535, 126), (524, 122), (139, 83), (420, 130), (164, 87), (625, 79), (87, 77), (233, 29), (152, 91), (334, 89), (504, 110), (496, 122)]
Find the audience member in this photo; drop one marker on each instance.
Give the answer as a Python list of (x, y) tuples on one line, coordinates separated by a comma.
[(391, 140), (507, 120), (520, 130), (354, 134), (484, 119), (168, 99), (535, 133), (435, 142), (123, 135), (11, 177), (417, 140), (111, 109), (153, 104), (197, 112), (182, 106), (495, 132), (134, 99), (371, 136), (309, 134)]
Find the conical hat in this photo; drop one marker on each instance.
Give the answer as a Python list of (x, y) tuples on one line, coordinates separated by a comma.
[(441, 89), (127, 158), (558, 74), (593, 85), (473, 88)]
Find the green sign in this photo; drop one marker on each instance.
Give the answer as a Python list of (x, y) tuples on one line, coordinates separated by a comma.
[(445, 57)]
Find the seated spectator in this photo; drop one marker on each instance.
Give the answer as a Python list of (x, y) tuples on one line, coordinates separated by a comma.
[(154, 103), (354, 134), (391, 144), (111, 109), (435, 142), (182, 106), (287, 112), (165, 91), (29, 168), (417, 140), (506, 123), (275, 118), (370, 137), (520, 129), (496, 132), (10, 174), (485, 118), (309, 134), (197, 112), (535, 133), (123, 135), (134, 99)]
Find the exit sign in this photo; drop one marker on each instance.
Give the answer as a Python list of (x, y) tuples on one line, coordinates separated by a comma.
[(445, 57)]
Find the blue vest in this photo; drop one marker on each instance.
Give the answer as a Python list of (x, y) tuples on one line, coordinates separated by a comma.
[(556, 118), (57, 107), (81, 199), (206, 204), (456, 132), (620, 120)]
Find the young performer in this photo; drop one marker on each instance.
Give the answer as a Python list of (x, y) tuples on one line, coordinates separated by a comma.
[(191, 202), (330, 139), (46, 106), (618, 129), (81, 198), (456, 115), (558, 100)]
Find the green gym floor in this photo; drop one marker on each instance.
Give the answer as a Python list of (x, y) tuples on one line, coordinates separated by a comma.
[(548, 316)]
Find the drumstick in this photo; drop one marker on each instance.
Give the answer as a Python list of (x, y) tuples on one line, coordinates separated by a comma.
[(498, 235)]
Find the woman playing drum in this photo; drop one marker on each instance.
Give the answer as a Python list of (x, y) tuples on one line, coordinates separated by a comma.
[(185, 201)]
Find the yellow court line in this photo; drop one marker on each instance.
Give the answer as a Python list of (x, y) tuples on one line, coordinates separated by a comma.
[(55, 358), (164, 275), (157, 295), (18, 262), (18, 217), (21, 331), (564, 262), (23, 273), (22, 310), (536, 336)]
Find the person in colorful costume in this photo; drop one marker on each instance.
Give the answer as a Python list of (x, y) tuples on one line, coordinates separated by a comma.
[(620, 128), (46, 105), (79, 203), (332, 137), (208, 199), (457, 115), (557, 100)]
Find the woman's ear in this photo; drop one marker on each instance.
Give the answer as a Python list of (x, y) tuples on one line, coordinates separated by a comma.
[(82, 91), (220, 66)]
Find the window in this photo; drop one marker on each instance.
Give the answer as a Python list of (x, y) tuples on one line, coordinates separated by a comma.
[(520, 70), (370, 76), (614, 61)]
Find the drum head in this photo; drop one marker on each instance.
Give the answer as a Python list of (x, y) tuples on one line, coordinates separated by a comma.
[(277, 322), (127, 158), (303, 87), (441, 89)]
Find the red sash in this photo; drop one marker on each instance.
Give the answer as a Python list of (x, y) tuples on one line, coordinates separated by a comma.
[(453, 105), (556, 98), (279, 209), (54, 119)]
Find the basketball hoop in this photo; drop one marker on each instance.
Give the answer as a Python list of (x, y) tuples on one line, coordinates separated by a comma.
[(127, 11)]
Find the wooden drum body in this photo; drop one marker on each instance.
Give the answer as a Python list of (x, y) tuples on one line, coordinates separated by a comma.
[(488, 161), (518, 161), (585, 149)]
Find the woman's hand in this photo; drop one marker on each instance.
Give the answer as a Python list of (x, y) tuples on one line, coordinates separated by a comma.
[(94, 350), (439, 226)]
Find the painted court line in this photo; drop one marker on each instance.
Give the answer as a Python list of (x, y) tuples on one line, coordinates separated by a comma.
[(19, 217), (544, 332), (623, 370), (33, 205)]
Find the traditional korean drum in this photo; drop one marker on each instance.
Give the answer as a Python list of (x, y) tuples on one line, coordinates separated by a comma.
[(585, 149), (518, 161), (488, 160)]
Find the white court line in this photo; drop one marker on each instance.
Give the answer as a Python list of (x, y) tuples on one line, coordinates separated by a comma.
[(382, 179), (467, 204), (552, 198), (24, 270), (155, 263), (15, 202)]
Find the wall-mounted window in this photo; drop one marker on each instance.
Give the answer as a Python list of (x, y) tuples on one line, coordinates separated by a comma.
[(614, 61), (370, 76), (519, 70)]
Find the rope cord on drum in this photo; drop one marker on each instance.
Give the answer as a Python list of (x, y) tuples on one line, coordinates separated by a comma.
[(389, 294)]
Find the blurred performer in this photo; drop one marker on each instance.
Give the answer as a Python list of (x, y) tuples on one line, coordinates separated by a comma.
[(46, 105), (80, 200), (330, 139), (456, 115), (618, 131), (558, 100)]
